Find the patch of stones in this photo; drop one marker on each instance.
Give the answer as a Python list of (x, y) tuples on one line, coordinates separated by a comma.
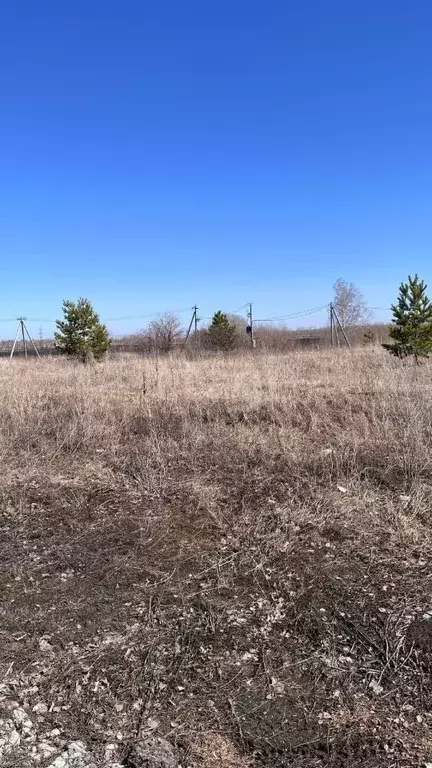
[(18, 735)]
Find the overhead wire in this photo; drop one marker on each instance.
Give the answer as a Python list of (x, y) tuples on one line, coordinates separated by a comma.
[(292, 316), (275, 318), (109, 319)]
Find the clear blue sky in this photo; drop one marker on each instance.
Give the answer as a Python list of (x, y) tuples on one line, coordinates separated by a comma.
[(158, 154)]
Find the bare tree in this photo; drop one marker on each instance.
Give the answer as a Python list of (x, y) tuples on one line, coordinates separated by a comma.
[(164, 331), (350, 304)]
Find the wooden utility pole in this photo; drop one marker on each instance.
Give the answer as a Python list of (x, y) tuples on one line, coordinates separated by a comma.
[(250, 327), (196, 320), (21, 321), (194, 323), (331, 325), (341, 328)]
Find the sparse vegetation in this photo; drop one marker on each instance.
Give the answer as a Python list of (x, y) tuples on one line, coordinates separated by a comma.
[(81, 334), (233, 554)]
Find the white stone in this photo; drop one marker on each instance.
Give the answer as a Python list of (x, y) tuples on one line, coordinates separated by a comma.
[(13, 739), (40, 708), (45, 749), (376, 687), (77, 753), (20, 717), (75, 756), (44, 645)]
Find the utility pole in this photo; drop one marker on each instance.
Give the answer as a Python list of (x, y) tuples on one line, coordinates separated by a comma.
[(194, 323), (331, 325), (21, 321), (341, 328), (250, 327), (25, 334), (196, 320)]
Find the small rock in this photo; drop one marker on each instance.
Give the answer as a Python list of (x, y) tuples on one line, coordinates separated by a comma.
[(77, 754), (341, 489), (278, 685), (44, 645), (376, 687), (40, 708), (153, 752), (20, 717), (10, 738), (14, 738), (45, 749), (109, 750)]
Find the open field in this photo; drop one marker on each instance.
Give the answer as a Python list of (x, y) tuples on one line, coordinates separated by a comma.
[(232, 554)]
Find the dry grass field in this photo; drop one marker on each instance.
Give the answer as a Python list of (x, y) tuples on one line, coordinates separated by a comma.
[(232, 555)]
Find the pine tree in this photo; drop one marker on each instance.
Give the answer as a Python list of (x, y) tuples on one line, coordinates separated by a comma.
[(81, 334), (411, 328), (222, 332), (368, 337)]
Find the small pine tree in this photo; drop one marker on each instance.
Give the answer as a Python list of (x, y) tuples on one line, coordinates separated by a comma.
[(368, 337), (81, 334), (411, 328), (222, 332)]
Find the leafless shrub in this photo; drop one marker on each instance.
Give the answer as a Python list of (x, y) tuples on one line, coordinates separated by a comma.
[(164, 332)]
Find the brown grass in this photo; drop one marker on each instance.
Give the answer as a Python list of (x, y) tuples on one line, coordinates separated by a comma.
[(233, 553)]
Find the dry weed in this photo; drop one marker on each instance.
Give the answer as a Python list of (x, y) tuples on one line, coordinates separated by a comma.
[(228, 546)]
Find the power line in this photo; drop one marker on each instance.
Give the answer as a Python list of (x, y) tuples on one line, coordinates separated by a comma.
[(292, 316), (276, 318), (233, 311), (106, 319)]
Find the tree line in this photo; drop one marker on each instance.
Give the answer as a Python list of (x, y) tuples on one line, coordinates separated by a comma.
[(81, 334)]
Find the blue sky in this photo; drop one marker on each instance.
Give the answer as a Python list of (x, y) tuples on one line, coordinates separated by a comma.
[(154, 155)]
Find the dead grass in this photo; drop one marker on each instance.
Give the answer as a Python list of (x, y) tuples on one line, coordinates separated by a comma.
[(232, 553)]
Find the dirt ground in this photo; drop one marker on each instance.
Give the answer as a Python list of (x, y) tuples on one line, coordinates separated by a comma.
[(227, 559)]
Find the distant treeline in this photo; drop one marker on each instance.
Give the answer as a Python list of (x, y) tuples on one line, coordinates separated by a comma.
[(278, 339)]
